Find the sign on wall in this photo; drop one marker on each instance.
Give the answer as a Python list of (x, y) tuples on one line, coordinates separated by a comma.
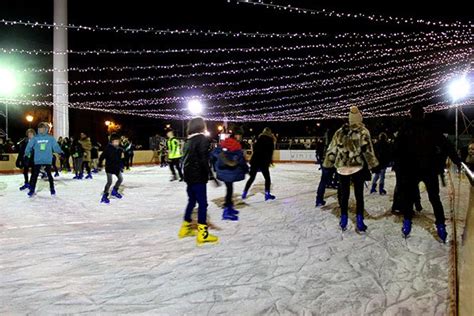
[(298, 155)]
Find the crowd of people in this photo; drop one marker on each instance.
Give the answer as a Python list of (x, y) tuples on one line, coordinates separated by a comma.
[(418, 153)]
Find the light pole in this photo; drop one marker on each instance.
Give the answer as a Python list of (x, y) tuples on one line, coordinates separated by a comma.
[(458, 89), (29, 119), (8, 84)]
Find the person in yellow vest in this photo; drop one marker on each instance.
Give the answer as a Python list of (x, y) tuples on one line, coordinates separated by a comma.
[(174, 156)]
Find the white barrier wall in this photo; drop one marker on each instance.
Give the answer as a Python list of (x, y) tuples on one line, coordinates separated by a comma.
[(300, 155)]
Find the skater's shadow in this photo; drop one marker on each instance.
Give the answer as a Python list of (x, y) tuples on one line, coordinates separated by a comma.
[(419, 219)]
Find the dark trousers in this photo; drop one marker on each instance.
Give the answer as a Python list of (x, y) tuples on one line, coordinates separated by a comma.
[(126, 160), (65, 163), (397, 204), (26, 169), (431, 181), (229, 192), (344, 192), (86, 165), (131, 159), (110, 179), (163, 161), (34, 176), (175, 163), (253, 173), (326, 179), (197, 193)]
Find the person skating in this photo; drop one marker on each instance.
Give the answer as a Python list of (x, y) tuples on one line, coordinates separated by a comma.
[(383, 153), (42, 146), (112, 155), (77, 153), (95, 157), (163, 155), (230, 165), (126, 145), (196, 175), (86, 144), (25, 163), (352, 153), (174, 156), (421, 152), (261, 160), (66, 148)]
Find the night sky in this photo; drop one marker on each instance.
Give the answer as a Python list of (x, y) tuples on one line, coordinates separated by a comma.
[(202, 15)]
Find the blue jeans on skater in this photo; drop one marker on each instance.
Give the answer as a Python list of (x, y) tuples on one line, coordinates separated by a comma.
[(197, 193), (379, 176), (326, 178)]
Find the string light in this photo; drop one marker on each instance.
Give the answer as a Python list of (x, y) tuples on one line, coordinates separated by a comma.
[(367, 17)]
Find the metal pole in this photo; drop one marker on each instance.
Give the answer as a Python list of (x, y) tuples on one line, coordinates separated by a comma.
[(6, 120), (456, 135), (60, 74)]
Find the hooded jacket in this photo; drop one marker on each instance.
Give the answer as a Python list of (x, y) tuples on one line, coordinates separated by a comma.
[(350, 148), (196, 159), (229, 162), (43, 146)]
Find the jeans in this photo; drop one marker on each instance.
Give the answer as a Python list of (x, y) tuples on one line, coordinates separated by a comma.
[(253, 174), (34, 177), (109, 182), (379, 176), (229, 192), (78, 165), (326, 178), (175, 163), (344, 192), (197, 193)]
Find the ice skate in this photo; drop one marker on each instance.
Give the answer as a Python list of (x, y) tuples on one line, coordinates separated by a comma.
[(105, 198), (25, 186), (186, 230), (320, 203), (382, 192), (204, 237), (244, 195), (53, 192), (89, 176), (31, 193), (228, 215), (361, 227), (268, 196), (441, 230), (343, 222), (56, 174), (116, 194), (406, 228)]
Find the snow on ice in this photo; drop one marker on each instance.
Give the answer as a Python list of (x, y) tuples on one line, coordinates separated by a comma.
[(70, 254)]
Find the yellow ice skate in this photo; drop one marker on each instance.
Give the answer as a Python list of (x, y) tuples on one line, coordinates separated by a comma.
[(186, 230), (204, 237)]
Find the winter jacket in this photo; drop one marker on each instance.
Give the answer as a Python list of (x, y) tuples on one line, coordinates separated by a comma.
[(87, 147), (351, 147), (21, 160), (43, 146), (420, 149), (174, 148), (113, 159), (95, 151), (262, 155), (383, 152), (196, 159), (76, 150), (229, 162), (66, 148)]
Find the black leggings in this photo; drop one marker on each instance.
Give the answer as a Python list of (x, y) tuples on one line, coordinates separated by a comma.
[(253, 173), (229, 192), (34, 176), (344, 192), (86, 165), (26, 170)]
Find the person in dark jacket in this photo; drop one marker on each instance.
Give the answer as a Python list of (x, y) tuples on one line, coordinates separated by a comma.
[(43, 146), (22, 162), (261, 160), (112, 155), (196, 174), (383, 154), (77, 153), (421, 152), (230, 165), (66, 148)]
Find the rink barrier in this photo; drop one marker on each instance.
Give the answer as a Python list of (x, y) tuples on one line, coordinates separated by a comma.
[(150, 157)]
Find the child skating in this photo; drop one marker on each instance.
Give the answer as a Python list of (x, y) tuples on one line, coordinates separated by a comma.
[(112, 155)]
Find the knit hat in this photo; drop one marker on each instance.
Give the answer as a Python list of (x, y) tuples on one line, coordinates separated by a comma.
[(114, 137), (43, 125), (355, 117), (30, 130)]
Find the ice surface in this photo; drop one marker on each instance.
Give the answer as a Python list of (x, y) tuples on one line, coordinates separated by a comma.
[(70, 254)]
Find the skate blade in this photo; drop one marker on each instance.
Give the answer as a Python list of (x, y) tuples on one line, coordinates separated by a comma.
[(203, 244)]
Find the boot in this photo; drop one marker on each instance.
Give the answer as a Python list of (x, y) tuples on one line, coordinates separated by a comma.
[(441, 229), (406, 228), (89, 176), (373, 190), (382, 192), (95, 170), (25, 186), (56, 174), (361, 227), (53, 192), (186, 230), (232, 210), (244, 195), (228, 215), (320, 203), (31, 193), (116, 194), (105, 198), (204, 237), (268, 196), (343, 222), (80, 176), (173, 178)]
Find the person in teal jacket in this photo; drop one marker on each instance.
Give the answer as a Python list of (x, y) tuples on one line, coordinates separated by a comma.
[(43, 145)]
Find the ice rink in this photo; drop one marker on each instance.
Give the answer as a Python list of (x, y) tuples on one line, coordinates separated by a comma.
[(70, 254)]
